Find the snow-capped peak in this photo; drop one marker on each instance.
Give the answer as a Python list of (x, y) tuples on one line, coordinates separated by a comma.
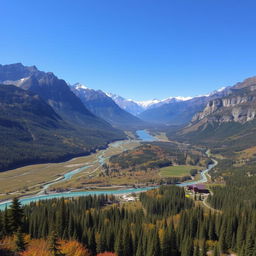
[(214, 92), (146, 103), (79, 86), (221, 89), (181, 98)]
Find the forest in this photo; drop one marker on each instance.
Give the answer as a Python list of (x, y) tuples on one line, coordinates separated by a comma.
[(163, 222)]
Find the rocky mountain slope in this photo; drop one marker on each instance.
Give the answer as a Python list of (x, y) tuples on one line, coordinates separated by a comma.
[(81, 131), (228, 121), (104, 107), (179, 112), (57, 94), (32, 132)]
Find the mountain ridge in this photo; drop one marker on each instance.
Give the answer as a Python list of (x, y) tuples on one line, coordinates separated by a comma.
[(101, 105)]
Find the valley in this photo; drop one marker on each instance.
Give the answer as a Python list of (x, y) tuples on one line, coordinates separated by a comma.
[(189, 156), (65, 181)]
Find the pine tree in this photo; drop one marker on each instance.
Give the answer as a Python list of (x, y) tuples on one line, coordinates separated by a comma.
[(249, 244), (6, 223), (187, 248), (54, 245), (19, 241), (154, 245), (119, 250), (139, 251), (61, 218), (166, 245), (16, 215), (92, 242), (1, 227), (127, 243)]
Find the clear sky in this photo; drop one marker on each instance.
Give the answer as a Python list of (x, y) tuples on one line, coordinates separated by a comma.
[(140, 49)]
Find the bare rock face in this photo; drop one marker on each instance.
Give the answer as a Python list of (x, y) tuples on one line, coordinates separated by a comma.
[(238, 106)]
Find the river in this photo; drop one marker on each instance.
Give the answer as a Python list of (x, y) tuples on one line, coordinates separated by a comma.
[(143, 135)]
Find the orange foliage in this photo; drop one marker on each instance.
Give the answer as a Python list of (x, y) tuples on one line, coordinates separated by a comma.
[(40, 247), (74, 248)]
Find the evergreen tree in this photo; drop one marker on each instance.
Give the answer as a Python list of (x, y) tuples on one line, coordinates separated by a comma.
[(154, 245), (127, 243), (139, 251), (16, 215), (54, 245), (92, 242), (20, 243), (6, 223), (249, 244), (187, 248), (166, 244), (119, 250)]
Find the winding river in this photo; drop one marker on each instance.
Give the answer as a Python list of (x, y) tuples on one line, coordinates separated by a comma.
[(143, 135)]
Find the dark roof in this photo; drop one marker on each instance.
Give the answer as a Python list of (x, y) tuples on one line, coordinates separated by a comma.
[(198, 186)]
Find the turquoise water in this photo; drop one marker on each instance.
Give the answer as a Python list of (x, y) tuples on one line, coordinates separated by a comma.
[(145, 136), (203, 176), (28, 200)]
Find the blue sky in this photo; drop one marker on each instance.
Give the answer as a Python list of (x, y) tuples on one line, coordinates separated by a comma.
[(140, 49)]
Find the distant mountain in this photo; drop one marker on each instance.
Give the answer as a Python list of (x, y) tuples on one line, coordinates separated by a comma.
[(138, 107), (228, 121), (128, 105), (104, 107), (179, 111)]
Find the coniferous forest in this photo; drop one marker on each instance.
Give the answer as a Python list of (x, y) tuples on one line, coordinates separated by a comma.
[(162, 222)]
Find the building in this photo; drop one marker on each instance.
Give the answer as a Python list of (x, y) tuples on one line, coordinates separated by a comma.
[(198, 188)]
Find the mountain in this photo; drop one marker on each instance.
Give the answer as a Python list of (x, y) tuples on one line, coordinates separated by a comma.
[(104, 107), (128, 105), (227, 122), (179, 111), (80, 128), (138, 107), (56, 93), (32, 132)]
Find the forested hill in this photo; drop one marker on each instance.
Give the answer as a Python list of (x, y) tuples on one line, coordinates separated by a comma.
[(31, 131)]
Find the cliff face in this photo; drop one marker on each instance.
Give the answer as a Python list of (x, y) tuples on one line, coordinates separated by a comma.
[(238, 106)]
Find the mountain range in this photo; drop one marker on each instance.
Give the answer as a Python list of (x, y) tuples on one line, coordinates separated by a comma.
[(170, 111), (43, 118), (227, 123), (74, 131), (137, 107)]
